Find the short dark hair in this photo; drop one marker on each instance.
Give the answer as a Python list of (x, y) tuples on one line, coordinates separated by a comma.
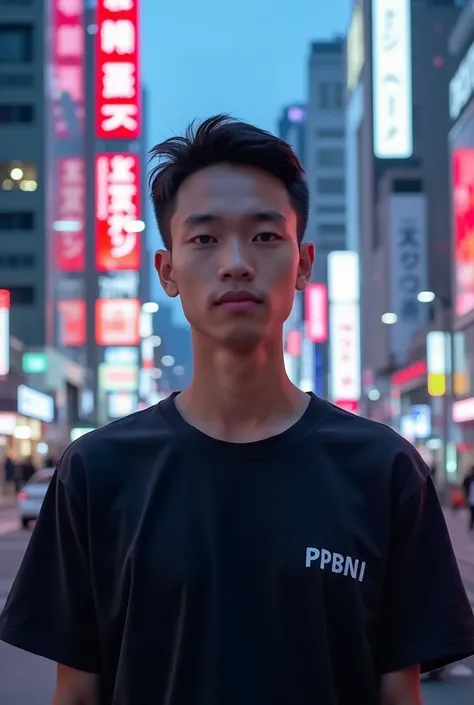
[(222, 139)]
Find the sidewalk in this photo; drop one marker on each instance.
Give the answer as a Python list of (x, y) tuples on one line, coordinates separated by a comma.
[(464, 547)]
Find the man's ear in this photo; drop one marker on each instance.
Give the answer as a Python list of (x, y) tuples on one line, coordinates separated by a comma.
[(164, 268)]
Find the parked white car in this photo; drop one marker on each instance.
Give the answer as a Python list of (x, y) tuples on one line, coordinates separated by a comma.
[(32, 495)]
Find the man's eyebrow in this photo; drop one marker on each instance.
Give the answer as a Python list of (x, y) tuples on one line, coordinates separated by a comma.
[(259, 216)]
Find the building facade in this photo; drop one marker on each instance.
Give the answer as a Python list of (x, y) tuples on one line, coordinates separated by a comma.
[(398, 207), (325, 170)]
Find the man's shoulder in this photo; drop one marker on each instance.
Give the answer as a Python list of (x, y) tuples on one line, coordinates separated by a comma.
[(126, 442), (366, 445)]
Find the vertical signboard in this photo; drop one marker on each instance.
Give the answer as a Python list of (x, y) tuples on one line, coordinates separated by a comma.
[(117, 101), (345, 355), (68, 67), (4, 332), (344, 329), (69, 223), (463, 215), (316, 313), (407, 235), (391, 79), (117, 183)]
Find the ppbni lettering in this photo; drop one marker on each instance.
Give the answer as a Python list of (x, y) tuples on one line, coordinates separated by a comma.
[(335, 563)]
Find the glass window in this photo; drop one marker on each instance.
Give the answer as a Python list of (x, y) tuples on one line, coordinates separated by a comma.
[(331, 157), (330, 186), (330, 134), (17, 220), (18, 175), (16, 43), (21, 295), (330, 210), (16, 114)]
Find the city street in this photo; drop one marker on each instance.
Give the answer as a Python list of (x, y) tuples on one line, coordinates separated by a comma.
[(29, 679)]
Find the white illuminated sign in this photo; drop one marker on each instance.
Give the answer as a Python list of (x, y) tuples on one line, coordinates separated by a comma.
[(34, 404), (343, 276), (461, 86), (391, 79), (345, 352)]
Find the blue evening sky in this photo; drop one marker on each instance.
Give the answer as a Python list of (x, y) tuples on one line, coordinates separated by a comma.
[(248, 58)]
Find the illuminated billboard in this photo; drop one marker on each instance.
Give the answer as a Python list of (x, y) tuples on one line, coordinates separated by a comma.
[(69, 222), (316, 305), (345, 355), (343, 276), (117, 322), (67, 66), (117, 82), (392, 79), (463, 216), (72, 330), (117, 203), (4, 331)]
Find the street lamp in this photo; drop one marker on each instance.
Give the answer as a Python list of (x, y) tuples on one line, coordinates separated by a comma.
[(389, 318), (150, 307), (441, 310)]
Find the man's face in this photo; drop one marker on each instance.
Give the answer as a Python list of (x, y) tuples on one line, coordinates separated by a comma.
[(235, 259)]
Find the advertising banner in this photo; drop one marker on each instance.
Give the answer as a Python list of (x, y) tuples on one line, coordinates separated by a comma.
[(117, 322), (463, 215), (118, 72), (69, 223), (68, 67), (4, 332), (72, 330), (117, 204), (407, 235), (345, 355), (391, 79), (316, 312)]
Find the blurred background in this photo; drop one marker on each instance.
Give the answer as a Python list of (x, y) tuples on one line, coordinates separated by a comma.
[(377, 99)]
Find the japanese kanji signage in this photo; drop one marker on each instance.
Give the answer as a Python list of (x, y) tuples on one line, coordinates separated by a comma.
[(118, 75), (407, 235), (117, 204), (392, 84), (69, 231), (68, 67)]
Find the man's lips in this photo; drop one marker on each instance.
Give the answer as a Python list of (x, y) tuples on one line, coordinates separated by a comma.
[(238, 297)]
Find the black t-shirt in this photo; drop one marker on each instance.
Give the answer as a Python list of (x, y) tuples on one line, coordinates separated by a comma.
[(187, 570)]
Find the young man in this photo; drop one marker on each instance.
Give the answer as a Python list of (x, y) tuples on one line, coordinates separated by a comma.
[(242, 542)]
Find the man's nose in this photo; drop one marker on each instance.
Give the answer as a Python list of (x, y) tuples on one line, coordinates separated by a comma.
[(235, 262)]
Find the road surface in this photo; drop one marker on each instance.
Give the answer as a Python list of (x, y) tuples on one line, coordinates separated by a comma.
[(29, 679)]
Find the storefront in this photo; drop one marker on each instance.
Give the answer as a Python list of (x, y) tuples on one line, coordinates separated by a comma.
[(416, 415), (23, 425)]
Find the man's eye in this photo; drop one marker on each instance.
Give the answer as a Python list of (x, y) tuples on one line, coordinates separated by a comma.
[(266, 237), (204, 239)]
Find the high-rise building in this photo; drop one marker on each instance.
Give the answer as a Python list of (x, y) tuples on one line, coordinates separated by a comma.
[(324, 161), (22, 167), (398, 209), (325, 144)]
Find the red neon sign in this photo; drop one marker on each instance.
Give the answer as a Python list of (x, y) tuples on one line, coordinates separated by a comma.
[(117, 321), (316, 312), (416, 371), (72, 322), (69, 229), (68, 65), (118, 71), (117, 203)]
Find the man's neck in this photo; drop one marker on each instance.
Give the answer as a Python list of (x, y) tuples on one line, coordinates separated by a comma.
[(241, 397)]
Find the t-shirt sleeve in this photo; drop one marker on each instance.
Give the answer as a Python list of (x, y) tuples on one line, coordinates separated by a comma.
[(50, 609), (426, 617)]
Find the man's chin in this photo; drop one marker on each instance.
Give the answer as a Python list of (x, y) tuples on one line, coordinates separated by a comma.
[(243, 339)]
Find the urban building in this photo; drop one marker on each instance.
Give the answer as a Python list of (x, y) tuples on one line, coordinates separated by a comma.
[(398, 205), (461, 150), (325, 170), (22, 167)]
